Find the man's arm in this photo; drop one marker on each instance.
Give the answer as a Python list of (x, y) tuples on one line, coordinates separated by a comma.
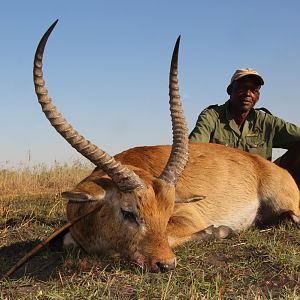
[(205, 126), (286, 134)]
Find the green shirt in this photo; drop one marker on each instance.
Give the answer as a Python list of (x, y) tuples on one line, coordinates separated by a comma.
[(260, 133)]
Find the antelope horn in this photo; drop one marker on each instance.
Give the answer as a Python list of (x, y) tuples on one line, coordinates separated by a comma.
[(179, 153), (123, 177)]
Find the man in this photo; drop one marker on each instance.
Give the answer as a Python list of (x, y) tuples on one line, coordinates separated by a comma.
[(237, 124)]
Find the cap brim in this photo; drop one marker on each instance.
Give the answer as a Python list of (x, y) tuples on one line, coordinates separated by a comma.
[(259, 80)]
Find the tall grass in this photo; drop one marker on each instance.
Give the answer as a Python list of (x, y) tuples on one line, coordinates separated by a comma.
[(41, 179)]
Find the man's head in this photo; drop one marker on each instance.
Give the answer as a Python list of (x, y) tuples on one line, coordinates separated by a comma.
[(241, 73), (244, 89)]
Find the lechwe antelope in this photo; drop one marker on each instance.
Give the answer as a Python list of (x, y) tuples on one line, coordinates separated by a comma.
[(152, 199)]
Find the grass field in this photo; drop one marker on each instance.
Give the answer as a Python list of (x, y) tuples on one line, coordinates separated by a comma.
[(256, 264)]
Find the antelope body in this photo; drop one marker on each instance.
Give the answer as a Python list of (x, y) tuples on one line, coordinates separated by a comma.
[(152, 199)]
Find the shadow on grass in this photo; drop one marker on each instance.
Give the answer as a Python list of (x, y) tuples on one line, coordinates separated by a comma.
[(42, 265), (52, 260)]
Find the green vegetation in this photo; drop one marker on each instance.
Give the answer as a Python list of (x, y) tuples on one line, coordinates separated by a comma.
[(257, 264)]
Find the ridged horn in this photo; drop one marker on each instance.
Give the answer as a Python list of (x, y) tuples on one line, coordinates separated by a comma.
[(123, 177), (179, 153)]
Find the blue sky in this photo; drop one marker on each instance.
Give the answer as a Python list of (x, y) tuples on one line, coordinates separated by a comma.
[(106, 67)]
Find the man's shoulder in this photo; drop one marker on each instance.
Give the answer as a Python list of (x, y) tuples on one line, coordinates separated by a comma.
[(264, 115), (212, 106), (214, 109), (263, 110)]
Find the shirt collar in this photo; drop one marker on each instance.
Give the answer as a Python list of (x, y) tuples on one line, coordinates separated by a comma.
[(250, 118)]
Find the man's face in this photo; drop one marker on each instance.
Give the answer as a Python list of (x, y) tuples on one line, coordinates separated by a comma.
[(244, 94)]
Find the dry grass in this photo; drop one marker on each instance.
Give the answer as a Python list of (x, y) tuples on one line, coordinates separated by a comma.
[(41, 180), (257, 264)]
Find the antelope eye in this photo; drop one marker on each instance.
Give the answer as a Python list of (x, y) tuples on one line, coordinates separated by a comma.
[(129, 216)]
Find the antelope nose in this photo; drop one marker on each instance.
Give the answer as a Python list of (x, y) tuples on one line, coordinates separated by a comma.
[(165, 267)]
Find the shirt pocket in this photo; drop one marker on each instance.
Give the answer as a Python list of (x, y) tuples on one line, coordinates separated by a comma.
[(256, 145), (224, 141), (254, 142)]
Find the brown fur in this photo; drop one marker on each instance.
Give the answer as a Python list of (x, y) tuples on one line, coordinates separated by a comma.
[(239, 188)]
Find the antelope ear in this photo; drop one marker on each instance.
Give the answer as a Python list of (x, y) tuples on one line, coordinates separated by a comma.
[(92, 189), (81, 196), (191, 199)]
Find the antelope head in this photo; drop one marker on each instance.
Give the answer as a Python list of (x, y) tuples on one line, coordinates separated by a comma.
[(134, 206)]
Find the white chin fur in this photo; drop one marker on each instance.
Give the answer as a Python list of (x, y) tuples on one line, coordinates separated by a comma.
[(69, 242)]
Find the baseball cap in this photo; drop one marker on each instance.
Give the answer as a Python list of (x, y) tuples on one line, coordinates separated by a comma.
[(239, 73)]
